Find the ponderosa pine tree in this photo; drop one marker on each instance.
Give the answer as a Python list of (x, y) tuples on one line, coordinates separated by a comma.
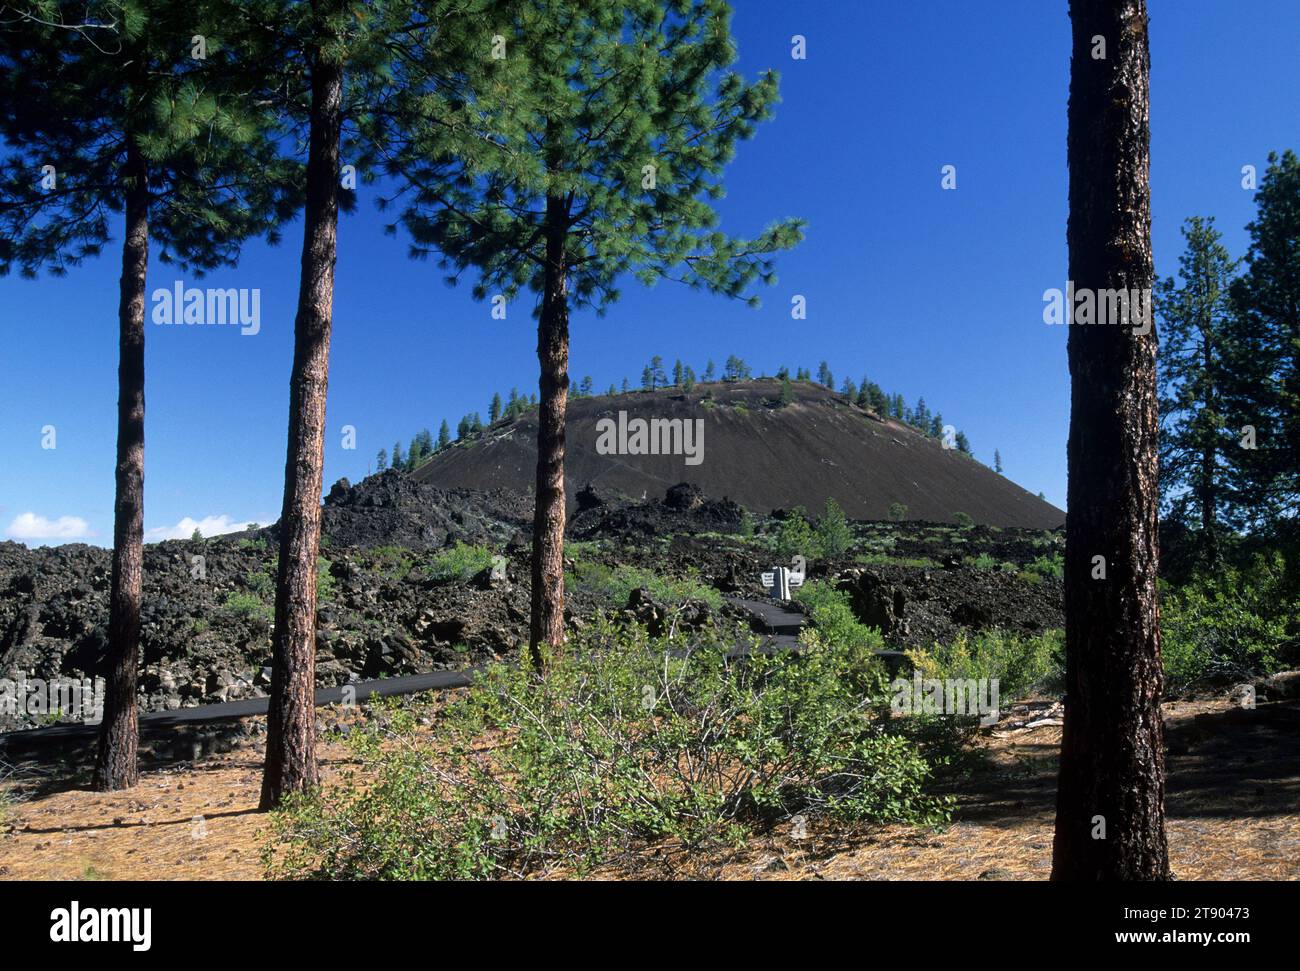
[(141, 110), (1195, 443), (444, 432), (658, 379), (786, 394), (291, 718), (415, 454), (1110, 798), (1263, 387), (345, 50), (598, 134)]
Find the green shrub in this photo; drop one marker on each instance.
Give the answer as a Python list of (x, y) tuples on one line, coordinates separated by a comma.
[(460, 562), (795, 536), (897, 512), (624, 744), (985, 561), (262, 584), (884, 559), (581, 549), (616, 583), (835, 624), (1047, 566), (394, 562), (833, 533), (963, 520), (246, 604), (1228, 626), (1020, 664), (324, 581), (831, 613)]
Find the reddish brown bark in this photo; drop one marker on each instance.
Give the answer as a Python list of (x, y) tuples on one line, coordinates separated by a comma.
[(291, 721), (546, 634), (115, 763), (1112, 751)]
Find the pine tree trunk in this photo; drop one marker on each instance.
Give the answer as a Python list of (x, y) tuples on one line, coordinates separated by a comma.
[(547, 629), (291, 721), (1110, 801), (115, 763), (1209, 461)]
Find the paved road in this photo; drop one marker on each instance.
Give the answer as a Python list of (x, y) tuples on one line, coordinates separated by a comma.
[(781, 624), (228, 711)]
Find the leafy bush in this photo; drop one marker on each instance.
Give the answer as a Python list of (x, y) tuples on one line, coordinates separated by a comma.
[(833, 533), (247, 604), (395, 562), (1020, 664), (460, 562), (985, 561), (795, 536), (617, 582), (1228, 626), (897, 512), (831, 613), (963, 520), (1047, 566), (261, 584), (625, 744), (885, 559), (581, 549), (324, 581), (834, 624)]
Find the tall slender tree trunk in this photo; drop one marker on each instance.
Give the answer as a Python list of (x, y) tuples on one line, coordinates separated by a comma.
[(1110, 802), (115, 763), (291, 721), (1210, 457), (547, 629)]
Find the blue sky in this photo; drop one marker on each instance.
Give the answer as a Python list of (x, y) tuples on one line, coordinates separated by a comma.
[(929, 292)]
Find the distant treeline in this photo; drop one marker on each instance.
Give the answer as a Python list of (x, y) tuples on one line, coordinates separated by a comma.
[(866, 394)]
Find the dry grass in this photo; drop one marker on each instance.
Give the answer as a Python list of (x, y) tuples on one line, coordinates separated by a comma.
[(1233, 806)]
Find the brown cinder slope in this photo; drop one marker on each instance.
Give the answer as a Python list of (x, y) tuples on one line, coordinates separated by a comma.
[(760, 455)]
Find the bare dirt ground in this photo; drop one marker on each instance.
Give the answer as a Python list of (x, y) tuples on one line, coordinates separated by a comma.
[(1233, 806)]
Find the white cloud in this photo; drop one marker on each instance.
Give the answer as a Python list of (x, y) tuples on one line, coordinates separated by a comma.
[(28, 527), (208, 526)]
